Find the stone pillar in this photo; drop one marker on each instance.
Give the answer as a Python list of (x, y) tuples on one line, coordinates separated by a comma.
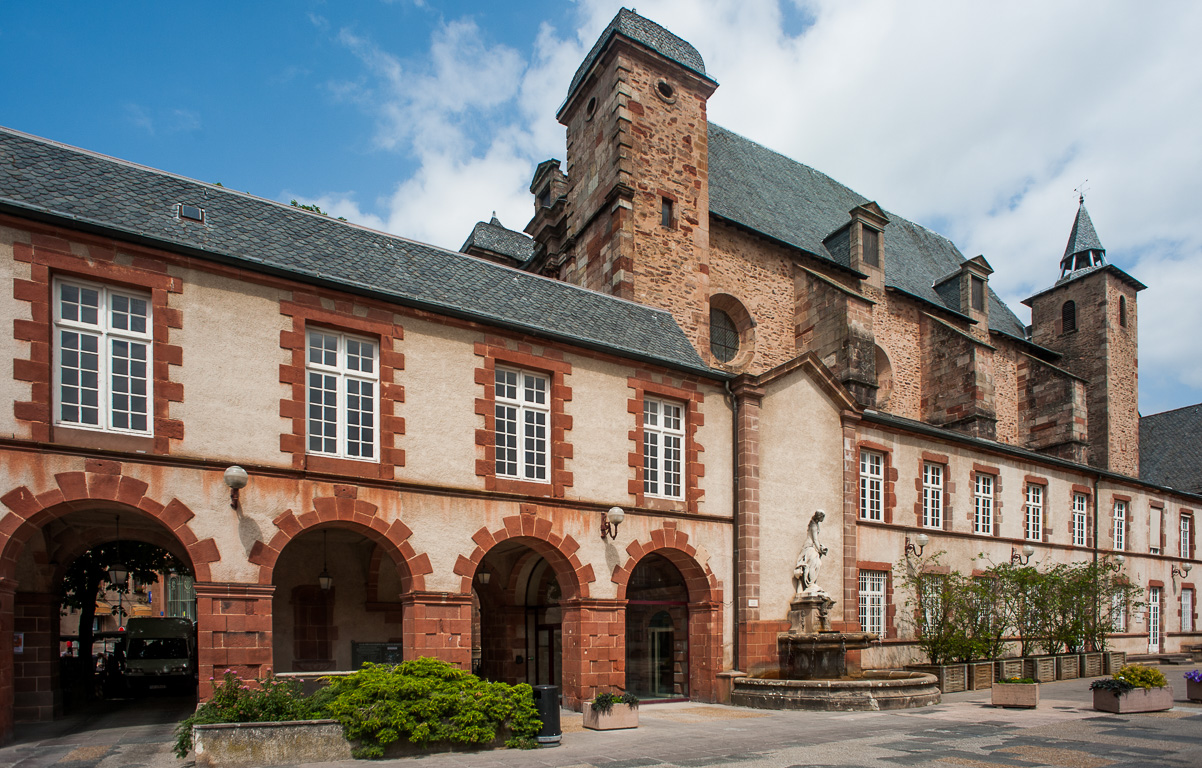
[(594, 649), (850, 598), (8, 589), (36, 695), (705, 650), (439, 625), (756, 638), (233, 631)]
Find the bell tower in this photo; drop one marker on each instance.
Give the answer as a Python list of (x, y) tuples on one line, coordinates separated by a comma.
[(1089, 316)]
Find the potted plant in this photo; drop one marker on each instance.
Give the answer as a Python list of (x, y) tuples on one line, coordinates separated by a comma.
[(611, 711), (1193, 685), (1134, 688), (1016, 692)]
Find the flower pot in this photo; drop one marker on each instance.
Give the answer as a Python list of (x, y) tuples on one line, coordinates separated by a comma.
[(1113, 661), (1008, 668), (1015, 695), (952, 677), (619, 716), (980, 675), (1091, 665), (1193, 690), (1040, 668), (1137, 700), (1068, 667)]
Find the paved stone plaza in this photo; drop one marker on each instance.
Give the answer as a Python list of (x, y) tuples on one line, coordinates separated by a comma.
[(962, 731)]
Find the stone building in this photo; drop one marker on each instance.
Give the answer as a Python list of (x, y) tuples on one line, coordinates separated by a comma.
[(708, 336)]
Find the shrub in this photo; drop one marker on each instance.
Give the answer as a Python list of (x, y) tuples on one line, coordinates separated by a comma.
[(425, 701), (235, 700), (1140, 676), (1115, 685), (604, 702), (1018, 681)]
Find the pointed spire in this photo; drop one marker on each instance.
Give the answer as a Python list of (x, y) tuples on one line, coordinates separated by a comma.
[(495, 220), (1084, 248)]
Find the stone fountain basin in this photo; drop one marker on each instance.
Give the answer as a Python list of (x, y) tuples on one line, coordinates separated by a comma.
[(876, 690)]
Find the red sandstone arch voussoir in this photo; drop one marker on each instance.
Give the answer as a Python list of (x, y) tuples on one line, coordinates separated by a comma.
[(352, 514), (535, 533), (673, 545), (103, 482)]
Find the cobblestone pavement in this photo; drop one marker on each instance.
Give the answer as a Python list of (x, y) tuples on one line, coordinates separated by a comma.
[(962, 731)]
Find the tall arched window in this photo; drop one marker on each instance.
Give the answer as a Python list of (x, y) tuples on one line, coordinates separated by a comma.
[(1068, 316), (1123, 311)]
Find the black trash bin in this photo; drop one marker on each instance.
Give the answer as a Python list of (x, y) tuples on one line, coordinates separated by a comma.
[(546, 701)]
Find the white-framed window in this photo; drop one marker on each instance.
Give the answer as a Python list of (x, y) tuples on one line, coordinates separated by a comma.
[(1154, 619), (1187, 609), (342, 378), (872, 485), (982, 501), (523, 417), (1120, 525), (181, 597), (663, 441), (872, 602), (1035, 512), (932, 495), (1187, 535), (102, 357), (1118, 612), (1080, 516)]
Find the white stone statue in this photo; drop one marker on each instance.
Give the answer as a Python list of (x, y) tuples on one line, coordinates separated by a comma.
[(810, 560)]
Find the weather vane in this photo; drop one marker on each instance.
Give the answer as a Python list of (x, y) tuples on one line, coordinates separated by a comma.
[(1081, 190)]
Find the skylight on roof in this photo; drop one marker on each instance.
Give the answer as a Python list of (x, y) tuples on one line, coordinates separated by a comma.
[(191, 212)]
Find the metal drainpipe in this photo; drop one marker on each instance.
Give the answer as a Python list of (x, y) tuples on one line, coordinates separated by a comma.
[(734, 579)]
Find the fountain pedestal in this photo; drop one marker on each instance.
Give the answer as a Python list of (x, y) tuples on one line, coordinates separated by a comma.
[(811, 650)]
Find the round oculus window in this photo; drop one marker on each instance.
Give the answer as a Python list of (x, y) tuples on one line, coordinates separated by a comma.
[(724, 336), (665, 91), (590, 108)]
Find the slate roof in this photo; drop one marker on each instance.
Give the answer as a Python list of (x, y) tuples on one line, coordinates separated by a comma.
[(774, 195), (494, 236), (630, 25), (47, 180), (1170, 448), (1083, 237)]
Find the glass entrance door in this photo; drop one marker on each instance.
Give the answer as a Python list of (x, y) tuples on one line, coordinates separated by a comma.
[(1154, 620)]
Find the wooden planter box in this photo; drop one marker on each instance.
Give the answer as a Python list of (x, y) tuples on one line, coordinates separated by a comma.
[(1007, 668), (1113, 661), (619, 716), (1041, 669), (980, 675), (952, 678), (1015, 695), (1092, 665), (1138, 700), (1193, 691), (1068, 667)]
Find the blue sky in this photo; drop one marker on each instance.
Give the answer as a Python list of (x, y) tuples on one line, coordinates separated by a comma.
[(977, 120)]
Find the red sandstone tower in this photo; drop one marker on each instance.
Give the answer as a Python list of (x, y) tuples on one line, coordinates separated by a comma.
[(1089, 316)]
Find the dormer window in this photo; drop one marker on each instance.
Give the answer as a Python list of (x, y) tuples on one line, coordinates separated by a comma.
[(978, 294), (191, 213), (870, 241), (544, 197)]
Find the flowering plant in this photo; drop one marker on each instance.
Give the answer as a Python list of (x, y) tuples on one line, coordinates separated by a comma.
[(1194, 676)]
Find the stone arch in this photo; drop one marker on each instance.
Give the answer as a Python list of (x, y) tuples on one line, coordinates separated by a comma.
[(884, 377), (534, 532), (705, 629), (674, 545), (101, 481), (353, 514)]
